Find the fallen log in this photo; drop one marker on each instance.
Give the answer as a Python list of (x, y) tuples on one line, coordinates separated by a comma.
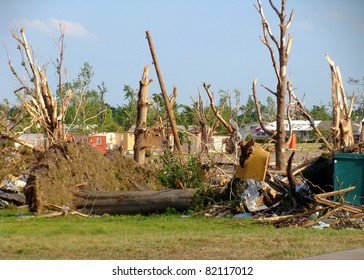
[(133, 202)]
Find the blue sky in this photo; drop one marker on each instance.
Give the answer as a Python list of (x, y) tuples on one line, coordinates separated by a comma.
[(212, 41)]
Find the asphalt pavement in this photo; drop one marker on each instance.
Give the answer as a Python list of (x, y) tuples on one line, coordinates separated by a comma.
[(355, 254)]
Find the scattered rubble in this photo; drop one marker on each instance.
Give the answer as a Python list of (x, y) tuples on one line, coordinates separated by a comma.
[(11, 191), (303, 196), (80, 177)]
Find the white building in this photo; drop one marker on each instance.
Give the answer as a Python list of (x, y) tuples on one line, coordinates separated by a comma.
[(301, 128)]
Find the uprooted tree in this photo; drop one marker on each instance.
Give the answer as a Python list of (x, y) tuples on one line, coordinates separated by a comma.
[(37, 99), (283, 47)]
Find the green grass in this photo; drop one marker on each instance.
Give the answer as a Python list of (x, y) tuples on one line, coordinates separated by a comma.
[(162, 237), (309, 146)]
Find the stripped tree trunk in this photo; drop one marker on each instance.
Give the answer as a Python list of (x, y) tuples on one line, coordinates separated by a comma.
[(342, 133), (172, 119), (138, 202), (141, 125)]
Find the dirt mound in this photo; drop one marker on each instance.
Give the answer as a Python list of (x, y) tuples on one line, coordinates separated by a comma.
[(64, 169)]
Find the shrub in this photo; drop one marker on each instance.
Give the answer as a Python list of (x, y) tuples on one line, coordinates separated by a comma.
[(189, 174), (148, 153)]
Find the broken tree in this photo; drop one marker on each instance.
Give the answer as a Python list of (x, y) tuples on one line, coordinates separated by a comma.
[(341, 126), (141, 126), (207, 127), (234, 136), (170, 113), (37, 99)]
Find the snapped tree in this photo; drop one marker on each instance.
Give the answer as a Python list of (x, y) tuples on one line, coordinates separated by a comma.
[(341, 111), (167, 102), (141, 123), (37, 100)]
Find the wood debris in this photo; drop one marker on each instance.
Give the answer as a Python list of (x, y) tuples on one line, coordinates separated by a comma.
[(289, 199), (61, 211)]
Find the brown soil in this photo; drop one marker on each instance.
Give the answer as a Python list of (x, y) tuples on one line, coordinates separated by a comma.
[(63, 169)]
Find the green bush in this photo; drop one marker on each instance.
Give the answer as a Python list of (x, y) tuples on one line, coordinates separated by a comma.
[(189, 174), (148, 153)]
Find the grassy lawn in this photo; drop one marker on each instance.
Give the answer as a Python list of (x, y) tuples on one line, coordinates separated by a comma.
[(162, 237), (309, 146)]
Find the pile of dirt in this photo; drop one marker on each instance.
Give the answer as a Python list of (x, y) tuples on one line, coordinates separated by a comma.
[(64, 169)]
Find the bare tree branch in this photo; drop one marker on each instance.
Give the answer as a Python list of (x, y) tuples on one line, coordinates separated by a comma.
[(173, 98), (212, 104), (257, 105), (274, 7), (289, 118), (268, 89), (289, 45), (20, 141), (265, 23), (289, 22)]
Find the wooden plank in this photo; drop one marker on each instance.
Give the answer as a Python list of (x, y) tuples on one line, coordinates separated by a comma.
[(333, 193), (346, 207)]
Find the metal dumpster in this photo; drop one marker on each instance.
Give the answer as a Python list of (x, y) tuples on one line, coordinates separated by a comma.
[(349, 171), (320, 173)]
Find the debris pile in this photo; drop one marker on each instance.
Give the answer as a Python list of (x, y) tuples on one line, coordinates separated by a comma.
[(11, 191), (312, 194), (67, 169), (13, 164), (315, 193)]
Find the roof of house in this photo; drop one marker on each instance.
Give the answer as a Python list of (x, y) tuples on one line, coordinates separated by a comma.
[(297, 125)]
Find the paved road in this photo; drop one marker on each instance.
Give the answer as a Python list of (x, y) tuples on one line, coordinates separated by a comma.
[(356, 254)]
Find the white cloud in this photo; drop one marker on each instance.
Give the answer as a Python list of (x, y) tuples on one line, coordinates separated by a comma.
[(70, 28), (36, 24), (73, 29), (305, 25)]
